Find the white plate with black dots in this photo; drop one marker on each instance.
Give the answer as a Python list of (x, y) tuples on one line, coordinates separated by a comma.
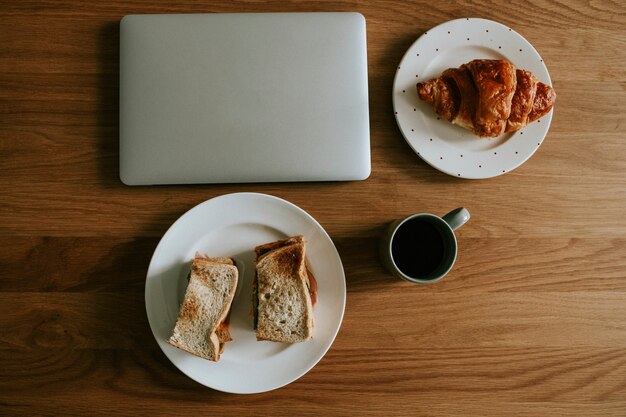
[(447, 147)]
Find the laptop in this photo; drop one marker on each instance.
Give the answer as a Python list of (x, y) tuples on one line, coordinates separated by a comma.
[(238, 98)]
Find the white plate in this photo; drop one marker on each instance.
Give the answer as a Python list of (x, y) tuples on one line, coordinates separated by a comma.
[(447, 147), (232, 225)]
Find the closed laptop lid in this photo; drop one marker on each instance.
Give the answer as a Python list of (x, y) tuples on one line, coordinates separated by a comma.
[(258, 97)]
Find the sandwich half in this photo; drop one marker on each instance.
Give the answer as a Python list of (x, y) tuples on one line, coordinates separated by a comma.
[(202, 325), (284, 292)]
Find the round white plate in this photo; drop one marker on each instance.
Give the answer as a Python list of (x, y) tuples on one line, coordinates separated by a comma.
[(447, 147), (232, 225)]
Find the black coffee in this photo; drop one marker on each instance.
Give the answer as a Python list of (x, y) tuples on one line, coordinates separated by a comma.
[(418, 248)]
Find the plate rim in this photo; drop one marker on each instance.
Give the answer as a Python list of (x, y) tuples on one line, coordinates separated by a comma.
[(341, 278), (443, 168)]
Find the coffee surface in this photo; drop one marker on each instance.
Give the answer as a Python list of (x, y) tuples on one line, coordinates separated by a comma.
[(418, 248)]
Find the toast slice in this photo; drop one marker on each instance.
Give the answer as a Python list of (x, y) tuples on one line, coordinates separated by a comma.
[(284, 306), (202, 325)]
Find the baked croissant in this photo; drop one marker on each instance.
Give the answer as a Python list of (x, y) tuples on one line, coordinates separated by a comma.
[(488, 96)]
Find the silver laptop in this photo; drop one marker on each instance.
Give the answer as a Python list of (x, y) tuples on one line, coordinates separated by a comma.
[(253, 97)]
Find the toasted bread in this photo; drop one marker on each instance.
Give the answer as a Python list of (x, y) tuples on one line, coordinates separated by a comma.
[(202, 327), (284, 309)]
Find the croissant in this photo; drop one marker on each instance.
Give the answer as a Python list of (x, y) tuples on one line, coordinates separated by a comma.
[(488, 96)]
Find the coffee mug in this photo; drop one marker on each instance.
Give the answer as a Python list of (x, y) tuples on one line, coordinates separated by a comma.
[(422, 248)]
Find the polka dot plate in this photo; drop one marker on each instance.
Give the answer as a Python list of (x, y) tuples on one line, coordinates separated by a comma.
[(447, 147)]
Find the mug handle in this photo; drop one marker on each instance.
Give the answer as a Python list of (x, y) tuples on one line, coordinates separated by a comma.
[(457, 217)]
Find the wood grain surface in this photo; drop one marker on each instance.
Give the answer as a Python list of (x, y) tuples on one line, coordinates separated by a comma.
[(530, 322)]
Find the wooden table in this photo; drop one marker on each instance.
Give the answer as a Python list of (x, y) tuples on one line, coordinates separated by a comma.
[(531, 321)]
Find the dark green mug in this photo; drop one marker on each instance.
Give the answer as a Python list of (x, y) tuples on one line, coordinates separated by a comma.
[(422, 248)]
